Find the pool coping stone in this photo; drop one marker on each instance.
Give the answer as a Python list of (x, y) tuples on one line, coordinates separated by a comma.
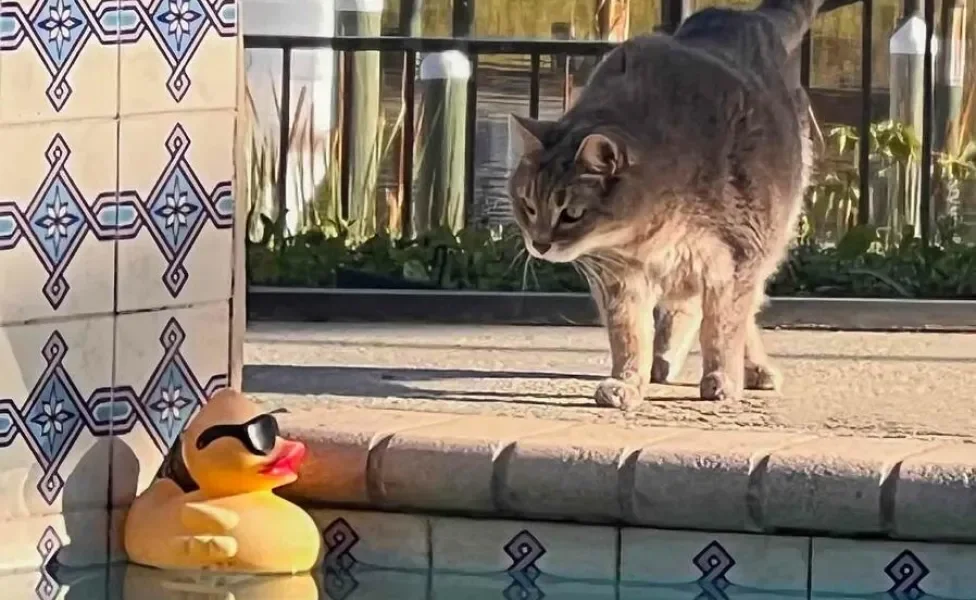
[(670, 478)]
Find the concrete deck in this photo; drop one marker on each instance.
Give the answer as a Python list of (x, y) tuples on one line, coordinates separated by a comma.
[(872, 435), (918, 385)]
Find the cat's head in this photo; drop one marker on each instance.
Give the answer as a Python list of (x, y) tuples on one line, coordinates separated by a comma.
[(570, 190)]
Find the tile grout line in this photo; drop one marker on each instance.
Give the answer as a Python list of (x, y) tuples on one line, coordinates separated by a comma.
[(619, 560), (115, 350), (809, 567), (429, 531), (90, 316)]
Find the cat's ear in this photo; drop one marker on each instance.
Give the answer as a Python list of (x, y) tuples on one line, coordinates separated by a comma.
[(529, 132), (601, 154)]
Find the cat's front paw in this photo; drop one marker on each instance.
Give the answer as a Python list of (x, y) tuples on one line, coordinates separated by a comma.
[(717, 386), (762, 377), (618, 394)]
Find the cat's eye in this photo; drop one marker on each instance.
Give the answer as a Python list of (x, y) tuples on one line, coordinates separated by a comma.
[(529, 209), (572, 214)]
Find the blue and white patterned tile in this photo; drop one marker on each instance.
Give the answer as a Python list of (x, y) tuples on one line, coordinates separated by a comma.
[(525, 549), (714, 561), (59, 59), (178, 55), (176, 210), (33, 585), (896, 570), (167, 364), (55, 416), (57, 220), (73, 539), (373, 539)]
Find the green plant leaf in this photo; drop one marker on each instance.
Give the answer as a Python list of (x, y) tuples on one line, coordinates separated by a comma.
[(857, 242)]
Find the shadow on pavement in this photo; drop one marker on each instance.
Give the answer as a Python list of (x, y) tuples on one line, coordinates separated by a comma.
[(380, 382)]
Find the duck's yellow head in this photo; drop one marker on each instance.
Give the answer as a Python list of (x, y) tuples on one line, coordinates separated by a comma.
[(232, 447)]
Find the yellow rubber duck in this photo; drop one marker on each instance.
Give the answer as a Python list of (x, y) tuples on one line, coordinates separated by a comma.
[(234, 522)]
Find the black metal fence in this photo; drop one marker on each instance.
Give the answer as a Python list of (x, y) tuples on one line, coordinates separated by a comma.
[(672, 12)]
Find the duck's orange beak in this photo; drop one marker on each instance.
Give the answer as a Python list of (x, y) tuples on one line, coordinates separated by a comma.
[(286, 461)]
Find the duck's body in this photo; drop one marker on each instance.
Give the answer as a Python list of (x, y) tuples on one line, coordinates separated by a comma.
[(233, 522), (251, 532)]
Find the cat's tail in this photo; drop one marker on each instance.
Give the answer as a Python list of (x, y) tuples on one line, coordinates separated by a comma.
[(793, 18)]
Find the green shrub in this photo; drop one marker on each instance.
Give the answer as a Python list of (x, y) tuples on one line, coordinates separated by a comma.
[(858, 266)]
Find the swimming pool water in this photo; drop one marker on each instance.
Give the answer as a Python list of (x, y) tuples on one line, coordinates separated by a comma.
[(129, 582)]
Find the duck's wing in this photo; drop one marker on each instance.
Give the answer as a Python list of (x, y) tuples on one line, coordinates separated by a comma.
[(203, 518), (207, 549)]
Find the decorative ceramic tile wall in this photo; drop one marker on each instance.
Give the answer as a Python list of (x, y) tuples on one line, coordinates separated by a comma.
[(55, 416), (57, 219), (59, 59), (117, 124), (73, 539), (176, 209), (177, 55), (70, 59), (167, 364)]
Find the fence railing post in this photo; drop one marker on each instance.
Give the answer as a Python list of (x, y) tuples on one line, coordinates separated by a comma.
[(442, 142), (284, 145), (865, 204), (925, 184), (362, 131)]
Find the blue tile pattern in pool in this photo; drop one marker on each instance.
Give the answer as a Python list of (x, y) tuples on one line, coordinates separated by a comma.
[(338, 580), (907, 572), (896, 571), (714, 563), (524, 550)]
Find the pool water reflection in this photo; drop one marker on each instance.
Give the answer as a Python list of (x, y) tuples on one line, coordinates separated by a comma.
[(130, 582)]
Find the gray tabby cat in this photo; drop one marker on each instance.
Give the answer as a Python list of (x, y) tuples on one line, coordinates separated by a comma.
[(676, 182)]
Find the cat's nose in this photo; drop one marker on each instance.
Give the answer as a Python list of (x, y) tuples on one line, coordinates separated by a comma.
[(541, 247)]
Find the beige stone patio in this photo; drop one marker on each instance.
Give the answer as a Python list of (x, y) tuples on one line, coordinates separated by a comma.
[(872, 435), (920, 385)]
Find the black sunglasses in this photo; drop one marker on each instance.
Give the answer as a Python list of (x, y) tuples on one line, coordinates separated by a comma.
[(258, 435)]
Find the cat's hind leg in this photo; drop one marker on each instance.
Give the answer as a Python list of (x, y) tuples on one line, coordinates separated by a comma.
[(760, 373), (727, 305), (676, 324)]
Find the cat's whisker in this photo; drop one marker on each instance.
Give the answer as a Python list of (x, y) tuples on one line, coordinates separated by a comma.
[(525, 273), (535, 278), (511, 265)]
